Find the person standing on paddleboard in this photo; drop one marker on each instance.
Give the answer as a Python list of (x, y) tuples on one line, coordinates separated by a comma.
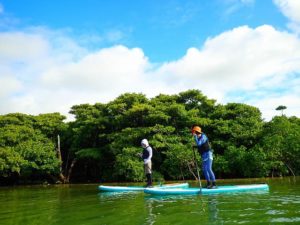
[(146, 156), (205, 151)]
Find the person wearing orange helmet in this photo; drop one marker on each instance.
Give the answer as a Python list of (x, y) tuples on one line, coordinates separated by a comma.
[(205, 151)]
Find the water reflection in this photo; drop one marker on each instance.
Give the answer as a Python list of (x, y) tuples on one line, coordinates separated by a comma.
[(151, 217), (280, 205), (212, 205), (205, 208), (117, 196), (208, 209), (82, 204)]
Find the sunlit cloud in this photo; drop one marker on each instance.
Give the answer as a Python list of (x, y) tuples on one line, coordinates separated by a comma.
[(242, 55), (291, 9), (11, 85)]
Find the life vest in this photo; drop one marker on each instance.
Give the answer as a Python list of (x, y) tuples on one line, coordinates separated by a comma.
[(145, 153), (205, 147)]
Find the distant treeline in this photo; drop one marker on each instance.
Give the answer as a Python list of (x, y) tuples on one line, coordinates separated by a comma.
[(102, 143)]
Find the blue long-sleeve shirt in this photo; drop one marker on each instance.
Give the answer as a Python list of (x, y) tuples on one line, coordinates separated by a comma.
[(200, 141)]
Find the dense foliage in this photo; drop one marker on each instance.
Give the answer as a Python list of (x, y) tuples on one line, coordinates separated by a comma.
[(102, 143), (27, 145)]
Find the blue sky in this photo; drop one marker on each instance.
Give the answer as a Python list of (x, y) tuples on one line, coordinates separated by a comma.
[(163, 29), (55, 54)]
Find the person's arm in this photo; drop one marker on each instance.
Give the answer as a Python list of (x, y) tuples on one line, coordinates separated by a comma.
[(200, 141), (150, 153)]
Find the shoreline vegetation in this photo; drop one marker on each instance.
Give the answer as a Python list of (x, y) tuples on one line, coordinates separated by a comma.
[(193, 183), (101, 144)]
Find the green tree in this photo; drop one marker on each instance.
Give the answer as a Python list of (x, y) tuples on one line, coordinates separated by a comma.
[(281, 142), (25, 150), (103, 141), (281, 107)]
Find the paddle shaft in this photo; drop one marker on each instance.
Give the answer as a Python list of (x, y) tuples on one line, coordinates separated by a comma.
[(199, 179)]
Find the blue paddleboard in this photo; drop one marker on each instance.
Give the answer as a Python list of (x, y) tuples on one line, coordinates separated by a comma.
[(140, 188), (196, 191)]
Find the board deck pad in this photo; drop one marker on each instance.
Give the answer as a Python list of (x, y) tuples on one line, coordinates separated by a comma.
[(197, 191), (140, 188)]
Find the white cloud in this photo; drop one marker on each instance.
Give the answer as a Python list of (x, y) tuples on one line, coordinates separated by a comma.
[(46, 71), (291, 9), (55, 73), (236, 59), (9, 85), (269, 104), (116, 67), (21, 46)]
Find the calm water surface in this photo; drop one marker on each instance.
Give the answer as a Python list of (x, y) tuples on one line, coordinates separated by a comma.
[(83, 204)]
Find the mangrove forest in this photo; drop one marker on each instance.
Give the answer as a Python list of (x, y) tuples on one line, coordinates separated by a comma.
[(102, 141)]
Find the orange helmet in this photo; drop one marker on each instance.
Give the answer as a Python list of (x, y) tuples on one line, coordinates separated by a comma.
[(196, 129)]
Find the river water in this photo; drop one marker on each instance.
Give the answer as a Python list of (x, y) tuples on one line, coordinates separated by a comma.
[(83, 204)]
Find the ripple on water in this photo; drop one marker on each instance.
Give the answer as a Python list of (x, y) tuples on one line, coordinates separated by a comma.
[(275, 212), (285, 219)]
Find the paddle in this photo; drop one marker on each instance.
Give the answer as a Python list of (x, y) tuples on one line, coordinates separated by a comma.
[(199, 179)]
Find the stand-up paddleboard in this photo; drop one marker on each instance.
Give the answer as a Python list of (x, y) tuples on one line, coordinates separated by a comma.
[(204, 191), (140, 188)]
